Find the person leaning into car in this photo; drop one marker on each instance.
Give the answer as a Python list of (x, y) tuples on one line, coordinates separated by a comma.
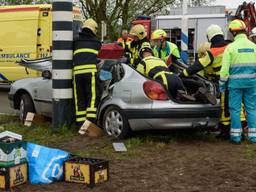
[(86, 94), (157, 69), (210, 63)]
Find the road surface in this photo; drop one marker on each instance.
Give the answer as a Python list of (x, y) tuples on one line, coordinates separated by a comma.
[(4, 103)]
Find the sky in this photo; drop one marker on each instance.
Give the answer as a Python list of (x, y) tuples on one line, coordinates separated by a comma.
[(231, 3)]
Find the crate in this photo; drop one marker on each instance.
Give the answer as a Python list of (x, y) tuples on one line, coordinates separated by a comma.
[(12, 152), (111, 51), (86, 170), (13, 176)]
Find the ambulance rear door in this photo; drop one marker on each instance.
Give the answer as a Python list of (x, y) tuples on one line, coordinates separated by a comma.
[(18, 36)]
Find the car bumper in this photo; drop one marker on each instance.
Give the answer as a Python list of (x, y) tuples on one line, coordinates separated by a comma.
[(207, 117)]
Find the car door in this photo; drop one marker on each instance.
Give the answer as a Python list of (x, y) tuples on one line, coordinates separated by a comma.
[(43, 97)]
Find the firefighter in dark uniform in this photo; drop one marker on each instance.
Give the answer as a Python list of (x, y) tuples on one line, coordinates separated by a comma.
[(210, 63), (157, 69), (86, 95), (139, 36)]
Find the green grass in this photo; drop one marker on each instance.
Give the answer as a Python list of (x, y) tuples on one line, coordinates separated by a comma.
[(40, 133), (250, 152)]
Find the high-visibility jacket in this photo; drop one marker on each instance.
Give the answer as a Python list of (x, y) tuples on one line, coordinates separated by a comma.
[(166, 53), (136, 45), (126, 45), (210, 63), (239, 64), (153, 67)]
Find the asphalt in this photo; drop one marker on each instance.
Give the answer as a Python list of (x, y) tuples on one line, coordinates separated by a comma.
[(4, 103)]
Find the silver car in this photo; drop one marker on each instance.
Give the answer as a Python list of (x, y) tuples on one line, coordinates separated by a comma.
[(130, 101)]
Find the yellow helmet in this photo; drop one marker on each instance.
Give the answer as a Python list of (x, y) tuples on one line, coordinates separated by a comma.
[(145, 47), (253, 32), (237, 25), (203, 48), (158, 34), (91, 24), (213, 30), (138, 31)]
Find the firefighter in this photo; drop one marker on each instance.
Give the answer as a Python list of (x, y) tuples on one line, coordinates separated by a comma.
[(125, 43), (253, 35), (139, 36), (211, 65), (238, 74), (163, 49), (157, 69), (86, 48)]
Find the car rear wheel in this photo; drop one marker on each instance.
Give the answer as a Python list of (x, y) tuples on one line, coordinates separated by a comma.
[(26, 105), (115, 123)]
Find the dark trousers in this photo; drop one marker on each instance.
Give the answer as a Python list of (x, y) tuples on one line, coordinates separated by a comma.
[(172, 82), (86, 97)]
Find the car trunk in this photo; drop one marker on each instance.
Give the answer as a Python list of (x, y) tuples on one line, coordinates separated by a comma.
[(192, 84)]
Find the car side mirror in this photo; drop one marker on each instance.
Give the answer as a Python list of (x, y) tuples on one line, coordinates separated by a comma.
[(47, 74)]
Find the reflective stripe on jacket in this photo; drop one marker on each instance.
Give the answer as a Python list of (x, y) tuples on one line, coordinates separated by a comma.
[(86, 49), (152, 67), (239, 63), (126, 45), (212, 69)]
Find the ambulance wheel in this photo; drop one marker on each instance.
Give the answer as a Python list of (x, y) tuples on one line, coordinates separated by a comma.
[(26, 105), (115, 123)]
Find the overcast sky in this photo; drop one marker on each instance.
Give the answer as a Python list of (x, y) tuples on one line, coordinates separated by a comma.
[(231, 3)]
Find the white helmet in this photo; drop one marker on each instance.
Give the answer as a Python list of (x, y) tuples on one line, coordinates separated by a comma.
[(212, 31)]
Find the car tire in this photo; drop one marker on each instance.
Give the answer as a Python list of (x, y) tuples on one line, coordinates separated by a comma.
[(115, 123), (26, 105)]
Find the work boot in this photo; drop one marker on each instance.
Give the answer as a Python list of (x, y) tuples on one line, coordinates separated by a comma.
[(252, 140), (182, 95), (224, 132), (206, 96)]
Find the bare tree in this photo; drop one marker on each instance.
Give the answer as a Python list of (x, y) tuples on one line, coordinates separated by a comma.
[(119, 13)]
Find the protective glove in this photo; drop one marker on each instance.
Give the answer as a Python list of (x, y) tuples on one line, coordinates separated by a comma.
[(222, 86)]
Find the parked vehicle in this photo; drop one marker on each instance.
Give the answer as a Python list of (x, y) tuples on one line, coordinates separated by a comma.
[(26, 33), (130, 101)]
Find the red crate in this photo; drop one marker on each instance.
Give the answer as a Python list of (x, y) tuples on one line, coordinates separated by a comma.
[(111, 51)]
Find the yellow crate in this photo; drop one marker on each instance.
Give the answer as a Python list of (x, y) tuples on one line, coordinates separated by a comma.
[(13, 176), (86, 170)]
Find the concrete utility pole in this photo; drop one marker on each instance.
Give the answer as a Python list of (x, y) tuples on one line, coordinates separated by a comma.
[(184, 32), (62, 55)]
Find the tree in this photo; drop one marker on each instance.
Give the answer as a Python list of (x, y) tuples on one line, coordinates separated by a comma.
[(119, 13), (22, 2)]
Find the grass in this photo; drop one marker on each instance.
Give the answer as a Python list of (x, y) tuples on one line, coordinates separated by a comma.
[(40, 133), (250, 152), (137, 146)]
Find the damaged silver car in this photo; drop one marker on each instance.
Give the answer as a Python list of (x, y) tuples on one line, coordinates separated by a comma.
[(130, 101)]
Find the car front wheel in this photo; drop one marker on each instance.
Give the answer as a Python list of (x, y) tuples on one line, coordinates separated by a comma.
[(26, 105), (115, 123)]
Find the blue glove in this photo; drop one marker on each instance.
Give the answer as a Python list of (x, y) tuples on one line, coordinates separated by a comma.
[(222, 89), (222, 86)]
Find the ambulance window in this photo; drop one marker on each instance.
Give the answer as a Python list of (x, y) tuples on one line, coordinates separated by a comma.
[(76, 27)]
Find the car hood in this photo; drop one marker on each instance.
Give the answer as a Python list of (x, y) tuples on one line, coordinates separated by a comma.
[(26, 83)]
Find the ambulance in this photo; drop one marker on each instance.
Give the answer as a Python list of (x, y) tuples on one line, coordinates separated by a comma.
[(26, 33)]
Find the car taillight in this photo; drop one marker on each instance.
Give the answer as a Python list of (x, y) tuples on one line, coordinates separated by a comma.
[(155, 91)]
